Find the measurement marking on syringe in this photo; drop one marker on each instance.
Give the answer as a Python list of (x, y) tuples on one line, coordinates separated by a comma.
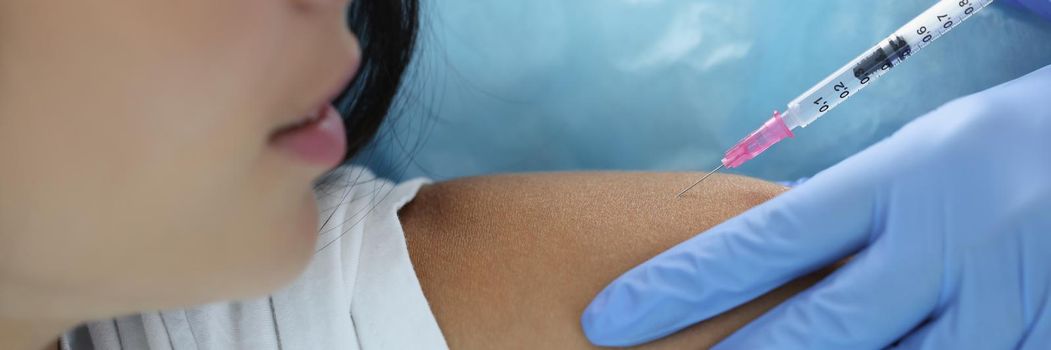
[(852, 78)]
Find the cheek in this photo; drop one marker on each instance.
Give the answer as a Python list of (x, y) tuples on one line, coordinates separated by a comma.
[(244, 213), (157, 151)]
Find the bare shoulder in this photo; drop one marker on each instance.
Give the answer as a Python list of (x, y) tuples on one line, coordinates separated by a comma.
[(587, 202), (510, 261)]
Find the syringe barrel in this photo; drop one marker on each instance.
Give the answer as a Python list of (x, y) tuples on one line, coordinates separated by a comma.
[(877, 61)]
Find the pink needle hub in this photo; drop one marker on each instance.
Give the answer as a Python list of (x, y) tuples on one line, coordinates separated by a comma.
[(773, 131)]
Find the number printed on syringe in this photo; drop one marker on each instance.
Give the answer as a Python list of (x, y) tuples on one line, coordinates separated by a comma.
[(874, 63), (850, 79)]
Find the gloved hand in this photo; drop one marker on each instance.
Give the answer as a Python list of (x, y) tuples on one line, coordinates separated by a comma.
[(1040, 7), (950, 221)]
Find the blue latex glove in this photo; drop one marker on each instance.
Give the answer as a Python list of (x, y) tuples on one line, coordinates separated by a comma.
[(1040, 7), (950, 219)]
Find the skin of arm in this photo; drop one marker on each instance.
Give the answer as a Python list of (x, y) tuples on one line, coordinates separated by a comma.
[(511, 261)]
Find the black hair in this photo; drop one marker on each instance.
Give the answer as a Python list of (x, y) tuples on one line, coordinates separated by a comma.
[(387, 32)]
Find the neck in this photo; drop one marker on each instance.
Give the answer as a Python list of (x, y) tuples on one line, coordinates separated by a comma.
[(34, 317), (30, 334)]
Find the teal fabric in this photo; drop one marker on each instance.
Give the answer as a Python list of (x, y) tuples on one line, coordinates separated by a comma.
[(669, 85), (1039, 7)]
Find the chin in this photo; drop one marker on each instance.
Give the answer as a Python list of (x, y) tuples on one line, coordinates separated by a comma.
[(302, 239), (291, 248)]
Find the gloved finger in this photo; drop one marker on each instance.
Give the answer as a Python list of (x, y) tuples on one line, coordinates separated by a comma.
[(951, 330), (877, 298), (808, 227), (1038, 337), (982, 307)]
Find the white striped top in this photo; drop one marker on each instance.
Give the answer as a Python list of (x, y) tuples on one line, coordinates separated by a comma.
[(359, 292)]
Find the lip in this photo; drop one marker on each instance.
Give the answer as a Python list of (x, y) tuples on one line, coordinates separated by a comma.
[(320, 138), (350, 72), (333, 91), (321, 141), (348, 77)]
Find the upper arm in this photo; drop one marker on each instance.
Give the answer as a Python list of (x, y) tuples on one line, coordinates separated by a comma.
[(511, 261)]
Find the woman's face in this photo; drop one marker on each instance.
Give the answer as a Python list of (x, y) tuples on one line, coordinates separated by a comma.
[(138, 167)]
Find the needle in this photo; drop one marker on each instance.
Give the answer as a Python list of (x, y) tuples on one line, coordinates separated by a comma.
[(700, 181)]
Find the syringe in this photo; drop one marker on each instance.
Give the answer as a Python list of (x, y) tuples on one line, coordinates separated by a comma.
[(852, 78)]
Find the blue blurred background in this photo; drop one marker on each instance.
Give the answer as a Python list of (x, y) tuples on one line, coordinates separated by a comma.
[(668, 85)]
